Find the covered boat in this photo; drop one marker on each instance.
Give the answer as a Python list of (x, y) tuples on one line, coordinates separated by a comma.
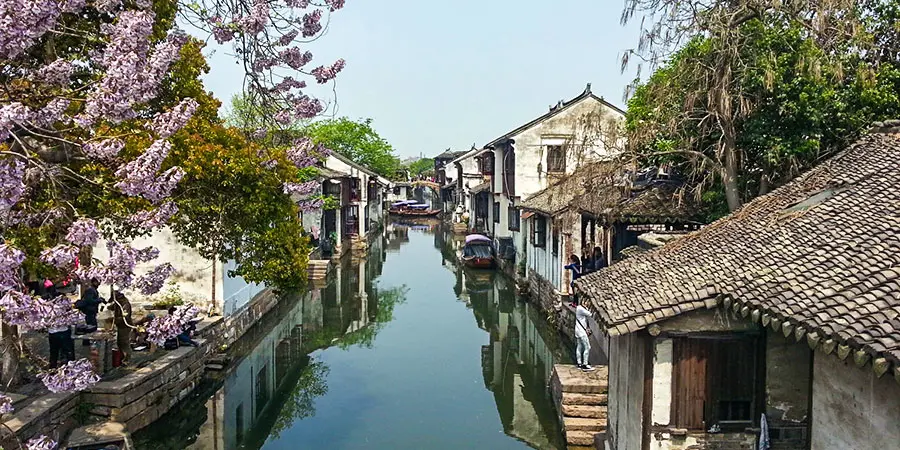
[(478, 252), (412, 208)]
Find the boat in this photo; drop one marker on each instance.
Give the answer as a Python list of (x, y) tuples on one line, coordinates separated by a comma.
[(412, 208), (106, 435), (478, 252)]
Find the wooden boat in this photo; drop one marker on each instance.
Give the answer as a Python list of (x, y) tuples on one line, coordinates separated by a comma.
[(411, 208), (479, 252), (106, 435)]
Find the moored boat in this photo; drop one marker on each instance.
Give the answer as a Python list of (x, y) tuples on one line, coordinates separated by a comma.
[(478, 252), (411, 208)]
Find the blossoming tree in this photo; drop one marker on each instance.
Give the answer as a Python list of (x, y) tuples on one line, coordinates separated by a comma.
[(80, 80)]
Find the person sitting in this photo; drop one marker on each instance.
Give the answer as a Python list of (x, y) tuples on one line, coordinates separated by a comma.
[(599, 259), (185, 337)]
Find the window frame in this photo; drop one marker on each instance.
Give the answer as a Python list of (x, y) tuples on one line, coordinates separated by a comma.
[(496, 212), (539, 231), (513, 212), (556, 159)]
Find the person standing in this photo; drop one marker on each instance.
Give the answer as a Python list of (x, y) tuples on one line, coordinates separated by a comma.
[(582, 338), (89, 305), (62, 346), (122, 319)]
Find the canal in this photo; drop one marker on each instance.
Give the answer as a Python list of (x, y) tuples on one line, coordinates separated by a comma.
[(400, 348)]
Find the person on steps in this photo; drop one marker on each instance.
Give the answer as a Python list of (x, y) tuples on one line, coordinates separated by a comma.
[(89, 305), (575, 266), (582, 334)]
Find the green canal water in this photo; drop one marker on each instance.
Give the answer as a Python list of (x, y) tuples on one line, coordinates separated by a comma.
[(400, 349)]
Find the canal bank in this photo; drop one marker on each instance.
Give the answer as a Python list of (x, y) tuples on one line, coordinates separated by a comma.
[(400, 349)]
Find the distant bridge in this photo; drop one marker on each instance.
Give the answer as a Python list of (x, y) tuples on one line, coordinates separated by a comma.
[(430, 184)]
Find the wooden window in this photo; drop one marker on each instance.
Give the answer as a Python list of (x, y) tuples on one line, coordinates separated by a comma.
[(486, 163), (556, 159), (354, 189), (496, 212), (555, 240), (716, 382), (514, 218), (332, 188), (239, 423), (539, 231), (396, 190), (509, 172)]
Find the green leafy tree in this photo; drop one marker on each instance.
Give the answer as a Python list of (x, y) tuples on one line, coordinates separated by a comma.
[(421, 166), (786, 109), (356, 140)]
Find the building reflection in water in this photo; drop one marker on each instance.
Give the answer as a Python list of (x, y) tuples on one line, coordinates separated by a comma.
[(275, 376), (518, 361)]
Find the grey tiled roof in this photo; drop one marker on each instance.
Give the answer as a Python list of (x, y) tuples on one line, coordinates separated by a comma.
[(818, 258), (557, 197)]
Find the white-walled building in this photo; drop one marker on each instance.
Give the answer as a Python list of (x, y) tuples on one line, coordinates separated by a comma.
[(538, 153)]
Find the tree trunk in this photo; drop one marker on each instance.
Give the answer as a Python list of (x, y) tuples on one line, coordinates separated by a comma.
[(730, 169), (10, 355)]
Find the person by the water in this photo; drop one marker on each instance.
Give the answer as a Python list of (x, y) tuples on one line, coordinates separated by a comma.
[(582, 334)]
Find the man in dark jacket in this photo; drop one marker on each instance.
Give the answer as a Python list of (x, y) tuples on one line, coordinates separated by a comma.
[(89, 305)]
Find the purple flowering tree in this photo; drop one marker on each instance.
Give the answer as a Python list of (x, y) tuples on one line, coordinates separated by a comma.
[(81, 79)]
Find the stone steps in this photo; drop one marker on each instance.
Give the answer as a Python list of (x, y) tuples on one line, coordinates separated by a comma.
[(586, 411), (581, 438), (318, 268), (570, 398), (583, 424), (581, 401)]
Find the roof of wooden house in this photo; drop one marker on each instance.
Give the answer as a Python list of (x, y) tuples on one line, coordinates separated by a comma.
[(817, 258)]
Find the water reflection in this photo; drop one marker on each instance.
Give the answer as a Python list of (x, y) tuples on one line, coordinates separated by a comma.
[(382, 357)]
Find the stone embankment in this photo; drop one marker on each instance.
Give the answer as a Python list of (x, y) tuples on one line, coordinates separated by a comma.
[(581, 400)]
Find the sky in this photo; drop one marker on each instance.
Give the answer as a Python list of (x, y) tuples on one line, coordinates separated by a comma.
[(438, 74)]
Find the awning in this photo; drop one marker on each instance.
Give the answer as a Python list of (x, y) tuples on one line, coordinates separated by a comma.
[(527, 214), (480, 188)]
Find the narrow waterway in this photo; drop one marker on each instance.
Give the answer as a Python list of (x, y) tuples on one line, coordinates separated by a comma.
[(401, 349)]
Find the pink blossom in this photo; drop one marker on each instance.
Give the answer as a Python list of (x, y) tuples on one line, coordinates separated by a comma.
[(131, 77), (294, 58), (11, 259), (41, 443), (56, 73), (72, 376), (29, 312), (288, 83), (288, 37), (301, 189), (312, 23), (335, 4), (12, 184), (169, 326), (325, 74), (83, 233), (6, 405), (297, 3), (106, 149), (153, 281), (50, 114), (139, 177), (23, 22), (256, 22), (167, 124), (154, 218), (307, 205), (11, 115), (62, 256), (119, 270)]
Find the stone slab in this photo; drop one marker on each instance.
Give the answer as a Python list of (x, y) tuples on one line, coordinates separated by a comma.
[(583, 424), (572, 379), (571, 398), (581, 438), (590, 411)]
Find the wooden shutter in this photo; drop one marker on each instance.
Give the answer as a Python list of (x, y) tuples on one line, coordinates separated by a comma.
[(689, 391)]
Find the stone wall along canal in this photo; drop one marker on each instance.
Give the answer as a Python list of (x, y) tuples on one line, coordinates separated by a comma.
[(401, 349)]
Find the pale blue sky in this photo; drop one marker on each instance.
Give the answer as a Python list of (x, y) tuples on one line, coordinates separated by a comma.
[(436, 74)]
